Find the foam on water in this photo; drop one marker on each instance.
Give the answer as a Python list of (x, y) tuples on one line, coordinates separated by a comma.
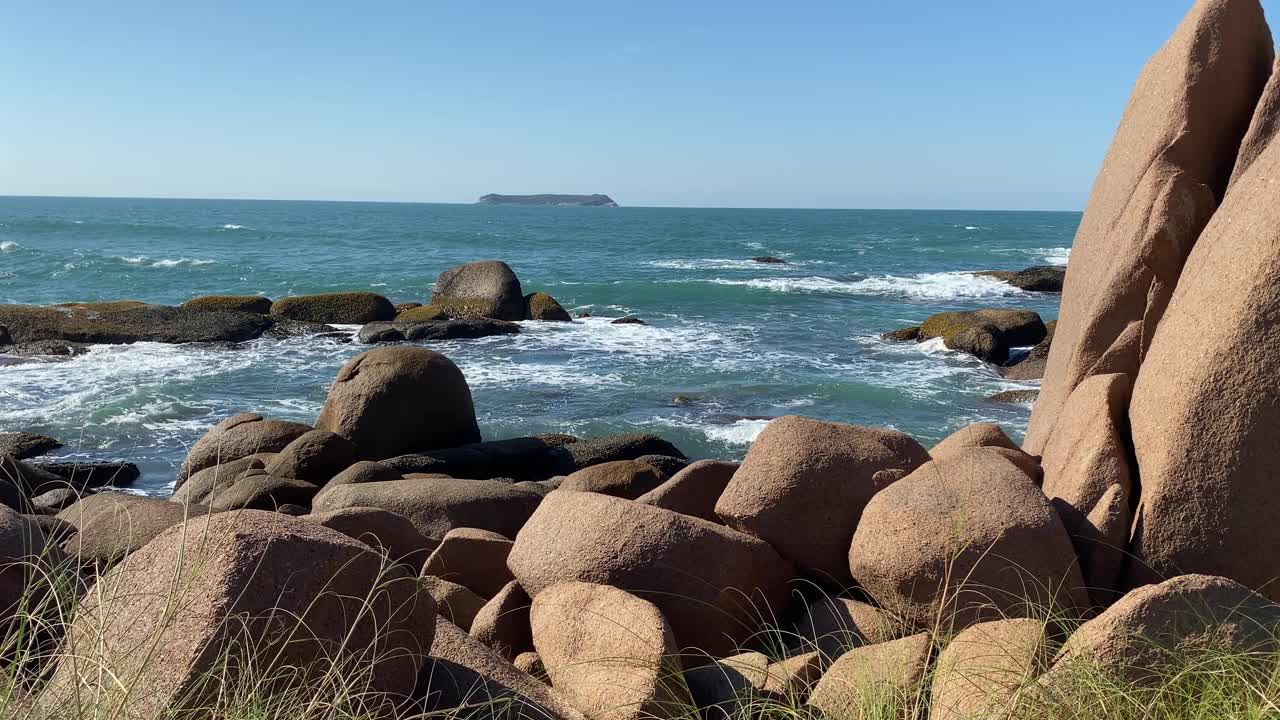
[(230, 226), (719, 264), (164, 262), (8, 245), (923, 286), (1055, 256)]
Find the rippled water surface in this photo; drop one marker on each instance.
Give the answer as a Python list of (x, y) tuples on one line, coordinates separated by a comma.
[(727, 337)]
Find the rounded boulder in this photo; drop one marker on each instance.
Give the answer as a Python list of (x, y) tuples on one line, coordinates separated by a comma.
[(488, 288)]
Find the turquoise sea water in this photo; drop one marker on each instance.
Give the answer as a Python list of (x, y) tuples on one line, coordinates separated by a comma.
[(727, 337)]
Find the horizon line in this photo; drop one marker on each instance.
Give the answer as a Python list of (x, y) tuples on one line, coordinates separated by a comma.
[(620, 207)]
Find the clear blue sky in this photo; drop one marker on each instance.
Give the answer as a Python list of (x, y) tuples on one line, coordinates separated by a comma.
[(912, 103)]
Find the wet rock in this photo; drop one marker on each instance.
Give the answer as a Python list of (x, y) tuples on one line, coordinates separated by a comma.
[(906, 334), (628, 320), (464, 329), (23, 445), (81, 474), (768, 260), (1042, 278), (541, 306), (119, 323)]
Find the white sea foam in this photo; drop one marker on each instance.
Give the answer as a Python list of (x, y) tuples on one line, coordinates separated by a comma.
[(718, 264), (923, 286), (754, 245), (8, 245), (1055, 256), (164, 262), (742, 432), (230, 226)]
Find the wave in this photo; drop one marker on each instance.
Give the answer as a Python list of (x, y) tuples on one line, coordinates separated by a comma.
[(718, 264), (8, 245), (1055, 256), (230, 226), (164, 262), (922, 286)]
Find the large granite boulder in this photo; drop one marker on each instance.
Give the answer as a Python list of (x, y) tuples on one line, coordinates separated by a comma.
[(230, 303), (381, 530), (316, 457), (488, 288), (467, 680), (1205, 409), (611, 654), (503, 622), (127, 322), (27, 562), (207, 483), (454, 602), (436, 506), (260, 588), (715, 585), (620, 478), (393, 400), (887, 675), (237, 437), (693, 490), (472, 557), (110, 525), (804, 483), (965, 539), (1160, 626), (344, 308), (980, 672), (1164, 175)]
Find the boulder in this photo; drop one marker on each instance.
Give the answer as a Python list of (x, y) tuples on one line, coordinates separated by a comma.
[(623, 446), (25, 558), (887, 675), (621, 478), (260, 588), (833, 626), (1204, 409), (236, 437), (344, 308), (81, 474), (1165, 625), (1088, 454), (465, 679), (422, 314), (1100, 538), (730, 687), (1166, 171), (628, 320), (461, 329), (1034, 363), (436, 506), (472, 557), (522, 458), (54, 501), (610, 653), (110, 525), (1015, 397), (393, 400), (503, 622), (965, 539), (23, 480), (233, 303), (386, 531), (1262, 128), (803, 484), (715, 585), (454, 602), (981, 671), (541, 306), (263, 492), (768, 259), (982, 434), (115, 323), (986, 334), (401, 307), (694, 490), (1042, 278), (316, 457), (793, 678), (906, 334), (488, 288), (364, 471), (205, 484), (24, 445)]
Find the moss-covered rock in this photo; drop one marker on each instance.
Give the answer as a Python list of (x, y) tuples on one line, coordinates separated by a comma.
[(1042, 278), (401, 307), (906, 334), (1015, 397), (236, 303), (541, 306), (423, 313), (346, 308), (488, 288), (127, 322)]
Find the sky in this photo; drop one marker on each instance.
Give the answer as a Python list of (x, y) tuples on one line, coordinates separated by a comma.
[(1000, 104)]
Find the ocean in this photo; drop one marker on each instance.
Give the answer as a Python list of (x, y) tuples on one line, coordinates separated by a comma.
[(730, 342)]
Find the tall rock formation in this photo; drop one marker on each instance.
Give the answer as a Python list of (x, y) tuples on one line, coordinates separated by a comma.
[(1164, 175)]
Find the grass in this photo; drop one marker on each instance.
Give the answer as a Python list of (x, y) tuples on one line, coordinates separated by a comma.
[(66, 619)]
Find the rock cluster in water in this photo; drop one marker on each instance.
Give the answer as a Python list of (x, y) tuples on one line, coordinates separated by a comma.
[(609, 578)]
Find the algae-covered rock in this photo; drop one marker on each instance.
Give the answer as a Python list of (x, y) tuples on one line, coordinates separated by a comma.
[(541, 306), (235, 303), (345, 308)]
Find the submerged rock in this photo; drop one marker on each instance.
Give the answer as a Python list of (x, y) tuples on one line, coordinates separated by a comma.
[(466, 329)]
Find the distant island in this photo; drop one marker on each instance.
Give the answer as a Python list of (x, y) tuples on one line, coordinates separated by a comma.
[(550, 199)]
